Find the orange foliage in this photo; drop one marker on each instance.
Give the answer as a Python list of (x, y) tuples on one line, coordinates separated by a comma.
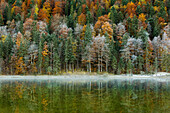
[(102, 26), (42, 15), (107, 28), (17, 10), (82, 19), (24, 7), (18, 40), (28, 3), (20, 66), (58, 8), (131, 9), (47, 6), (39, 3), (83, 8), (45, 49), (161, 22), (142, 17)]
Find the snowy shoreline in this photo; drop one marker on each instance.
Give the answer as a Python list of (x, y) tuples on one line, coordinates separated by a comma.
[(161, 77)]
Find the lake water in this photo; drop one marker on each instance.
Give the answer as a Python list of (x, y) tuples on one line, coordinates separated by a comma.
[(84, 94)]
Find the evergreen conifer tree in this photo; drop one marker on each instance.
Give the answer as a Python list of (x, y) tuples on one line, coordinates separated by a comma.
[(114, 64), (1, 20)]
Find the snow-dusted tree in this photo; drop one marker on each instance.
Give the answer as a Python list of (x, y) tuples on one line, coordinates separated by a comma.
[(98, 44), (64, 31), (33, 55), (42, 27), (78, 30), (120, 29), (56, 21)]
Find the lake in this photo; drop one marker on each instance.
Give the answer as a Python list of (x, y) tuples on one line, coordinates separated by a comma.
[(84, 94)]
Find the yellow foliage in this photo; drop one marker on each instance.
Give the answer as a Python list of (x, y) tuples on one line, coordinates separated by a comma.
[(20, 66), (139, 3), (45, 51), (12, 10), (156, 8), (142, 17), (116, 6), (36, 9), (107, 3), (3, 38)]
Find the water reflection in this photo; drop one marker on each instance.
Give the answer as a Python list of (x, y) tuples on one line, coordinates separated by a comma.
[(96, 96)]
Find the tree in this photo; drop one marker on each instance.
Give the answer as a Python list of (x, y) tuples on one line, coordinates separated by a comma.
[(129, 67), (132, 26), (114, 15), (43, 15), (20, 66), (1, 20), (114, 64), (131, 9), (156, 65), (165, 62), (57, 63), (82, 19), (45, 59), (102, 26), (121, 66), (6, 52), (40, 57), (57, 8)]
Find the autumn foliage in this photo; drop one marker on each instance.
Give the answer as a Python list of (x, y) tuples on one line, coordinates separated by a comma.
[(53, 36)]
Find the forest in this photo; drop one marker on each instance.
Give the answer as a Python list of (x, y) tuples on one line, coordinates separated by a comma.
[(67, 36)]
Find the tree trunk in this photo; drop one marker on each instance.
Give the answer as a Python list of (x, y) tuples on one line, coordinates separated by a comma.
[(90, 67), (106, 65), (66, 67), (69, 66), (77, 64), (73, 67)]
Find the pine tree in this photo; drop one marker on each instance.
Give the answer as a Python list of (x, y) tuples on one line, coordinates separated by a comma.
[(156, 65), (121, 66), (9, 13), (5, 14), (56, 63), (40, 57), (162, 12), (35, 34), (140, 62), (88, 35), (129, 67), (138, 10), (114, 64), (165, 64), (114, 15), (99, 11), (1, 20), (66, 54), (21, 26)]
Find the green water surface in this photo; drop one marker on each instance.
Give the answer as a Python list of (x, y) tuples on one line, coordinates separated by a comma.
[(92, 96)]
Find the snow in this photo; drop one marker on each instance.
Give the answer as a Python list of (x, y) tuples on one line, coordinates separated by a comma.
[(161, 74), (161, 77)]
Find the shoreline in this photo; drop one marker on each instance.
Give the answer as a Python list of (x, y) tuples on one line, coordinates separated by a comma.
[(85, 78), (159, 74)]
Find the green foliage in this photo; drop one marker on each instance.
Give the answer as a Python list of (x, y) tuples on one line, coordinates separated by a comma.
[(72, 46)]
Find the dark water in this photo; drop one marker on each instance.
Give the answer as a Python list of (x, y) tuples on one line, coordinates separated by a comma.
[(83, 95)]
